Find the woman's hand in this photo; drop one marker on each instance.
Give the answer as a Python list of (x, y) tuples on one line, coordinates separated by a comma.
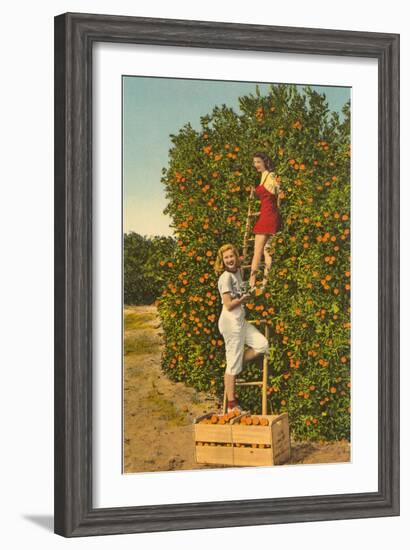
[(231, 303), (245, 298)]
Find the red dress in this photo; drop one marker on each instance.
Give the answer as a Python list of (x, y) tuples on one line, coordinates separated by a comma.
[(269, 220)]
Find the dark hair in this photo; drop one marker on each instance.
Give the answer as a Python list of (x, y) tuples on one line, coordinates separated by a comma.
[(268, 162)]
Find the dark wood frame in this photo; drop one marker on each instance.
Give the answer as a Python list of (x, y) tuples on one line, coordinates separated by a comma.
[(74, 36)]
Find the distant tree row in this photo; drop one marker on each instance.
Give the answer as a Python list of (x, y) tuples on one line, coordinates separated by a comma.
[(143, 279)]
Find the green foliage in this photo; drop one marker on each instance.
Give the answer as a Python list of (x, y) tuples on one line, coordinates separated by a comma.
[(307, 299), (143, 278)]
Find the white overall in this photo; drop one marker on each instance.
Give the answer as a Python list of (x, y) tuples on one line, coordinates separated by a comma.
[(235, 329)]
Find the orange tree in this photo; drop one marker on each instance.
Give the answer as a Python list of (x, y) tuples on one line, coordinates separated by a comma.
[(307, 299)]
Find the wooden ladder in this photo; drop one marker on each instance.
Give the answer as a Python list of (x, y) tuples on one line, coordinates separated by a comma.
[(245, 252)]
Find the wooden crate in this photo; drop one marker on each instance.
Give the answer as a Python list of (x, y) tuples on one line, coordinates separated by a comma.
[(213, 442), (241, 445), (261, 445)]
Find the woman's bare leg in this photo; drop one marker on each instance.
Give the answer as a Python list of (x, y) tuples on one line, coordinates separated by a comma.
[(268, 262), (230, 386), (260, 241), (230, 379)]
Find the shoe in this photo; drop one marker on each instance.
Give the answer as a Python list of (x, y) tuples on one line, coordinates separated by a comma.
[(237, 407)]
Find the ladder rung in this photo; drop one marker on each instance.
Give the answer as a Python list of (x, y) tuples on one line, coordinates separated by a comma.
[(257, 320), (250, 265), (253, 213), (248, 383)]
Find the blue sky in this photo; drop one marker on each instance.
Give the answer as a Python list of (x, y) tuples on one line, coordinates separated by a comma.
[(154, 108)]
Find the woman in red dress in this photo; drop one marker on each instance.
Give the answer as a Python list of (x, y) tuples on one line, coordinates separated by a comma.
[(268, 221)]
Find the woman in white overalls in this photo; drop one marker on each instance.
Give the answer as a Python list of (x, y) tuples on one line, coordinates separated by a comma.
[(233, 326)]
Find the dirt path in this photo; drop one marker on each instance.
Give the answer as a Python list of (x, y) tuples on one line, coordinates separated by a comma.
[(158, 412)]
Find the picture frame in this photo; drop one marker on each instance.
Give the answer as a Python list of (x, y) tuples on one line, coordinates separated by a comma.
[(75, 35)]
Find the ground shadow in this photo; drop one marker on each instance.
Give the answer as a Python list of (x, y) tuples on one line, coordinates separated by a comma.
[(47, 522)]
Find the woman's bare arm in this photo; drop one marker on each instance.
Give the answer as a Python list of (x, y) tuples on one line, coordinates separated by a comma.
[(272, 184)]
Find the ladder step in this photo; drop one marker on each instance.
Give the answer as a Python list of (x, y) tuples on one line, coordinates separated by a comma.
[(240, 383), (257, 321), (250, 265)]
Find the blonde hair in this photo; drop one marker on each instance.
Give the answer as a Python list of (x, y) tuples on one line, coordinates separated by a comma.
[(219, 265)]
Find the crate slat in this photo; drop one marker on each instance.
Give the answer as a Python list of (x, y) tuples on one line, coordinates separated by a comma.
[(246, 456), (280, 439), (213, 433), (251, 434), (214, 455)]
